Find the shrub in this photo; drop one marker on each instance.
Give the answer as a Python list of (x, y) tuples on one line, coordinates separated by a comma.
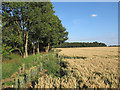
[(6, 51)]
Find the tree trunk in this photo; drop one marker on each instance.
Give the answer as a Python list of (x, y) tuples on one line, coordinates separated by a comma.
[(26, 43), (33, 49), (47, 48), (38, 47), (19, 34)]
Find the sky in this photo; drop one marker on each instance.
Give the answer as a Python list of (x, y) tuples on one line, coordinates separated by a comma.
[(89, 21)]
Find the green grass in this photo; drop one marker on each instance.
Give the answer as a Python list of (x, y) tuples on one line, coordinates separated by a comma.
[(52, 65), (8, 83), (49, 62)]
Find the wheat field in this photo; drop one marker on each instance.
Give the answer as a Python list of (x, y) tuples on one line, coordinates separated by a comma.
[(98, 68)]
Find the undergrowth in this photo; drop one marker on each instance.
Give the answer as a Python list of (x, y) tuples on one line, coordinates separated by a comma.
[(50, 63)]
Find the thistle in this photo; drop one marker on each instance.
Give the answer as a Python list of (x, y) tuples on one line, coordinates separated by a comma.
[(20, 70), (23, 68), (21, 82), (34, 70), (41, 67), (16, 82), (31, 71), (28, 76)]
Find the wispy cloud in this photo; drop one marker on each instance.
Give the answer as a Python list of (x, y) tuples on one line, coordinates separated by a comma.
[(94, 15)]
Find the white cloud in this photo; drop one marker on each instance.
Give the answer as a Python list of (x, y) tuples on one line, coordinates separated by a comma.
[(94, 15)]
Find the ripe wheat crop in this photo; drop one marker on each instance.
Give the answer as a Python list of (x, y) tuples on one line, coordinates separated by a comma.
[(98, 69)]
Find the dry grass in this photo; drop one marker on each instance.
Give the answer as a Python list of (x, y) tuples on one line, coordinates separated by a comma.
[(99, 69)]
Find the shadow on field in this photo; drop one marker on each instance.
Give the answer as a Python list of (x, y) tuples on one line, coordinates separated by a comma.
[(63, 65), (73, 57)]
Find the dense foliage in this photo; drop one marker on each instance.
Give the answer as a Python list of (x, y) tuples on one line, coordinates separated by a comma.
[(6, 50), (29, 27), (81, 44)]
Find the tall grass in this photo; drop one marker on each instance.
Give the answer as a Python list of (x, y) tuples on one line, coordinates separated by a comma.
[(49, 61)]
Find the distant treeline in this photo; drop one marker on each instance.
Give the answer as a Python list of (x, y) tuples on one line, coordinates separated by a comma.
[(114, 46), (81, 44)]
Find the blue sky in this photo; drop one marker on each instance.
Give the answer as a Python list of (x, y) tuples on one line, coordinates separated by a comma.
[(89, 21)]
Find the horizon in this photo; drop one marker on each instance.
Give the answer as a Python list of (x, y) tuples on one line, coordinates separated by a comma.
[(92, 42)]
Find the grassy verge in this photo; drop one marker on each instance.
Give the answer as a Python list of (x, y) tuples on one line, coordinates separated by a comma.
[(49, 61), (55, 69)]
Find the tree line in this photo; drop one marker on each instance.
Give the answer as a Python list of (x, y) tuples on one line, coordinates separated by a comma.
[(114, 45), (81, 44), (30, 27)]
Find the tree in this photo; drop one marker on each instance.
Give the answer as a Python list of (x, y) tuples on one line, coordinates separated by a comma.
[(11, 25), (27, 24)]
